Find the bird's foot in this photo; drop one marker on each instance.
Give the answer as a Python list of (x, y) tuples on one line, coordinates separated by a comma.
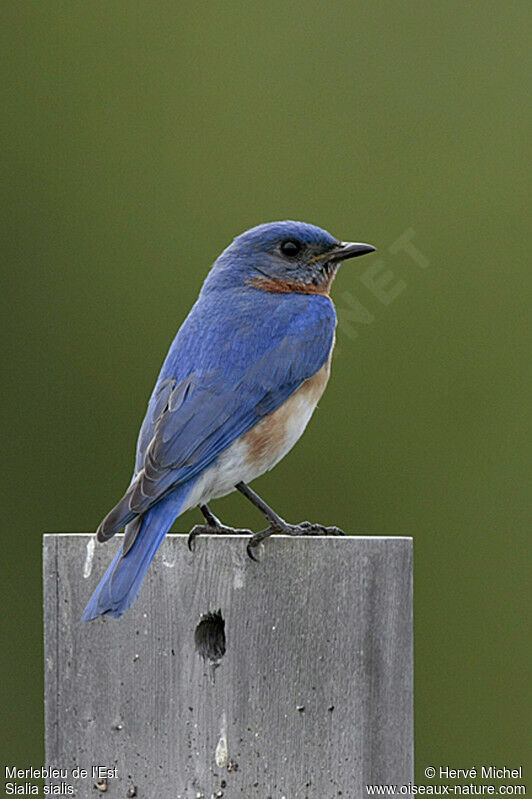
[(213, 529), (305, 528)]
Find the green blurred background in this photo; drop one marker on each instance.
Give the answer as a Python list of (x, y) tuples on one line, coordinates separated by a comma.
[(139, 138)]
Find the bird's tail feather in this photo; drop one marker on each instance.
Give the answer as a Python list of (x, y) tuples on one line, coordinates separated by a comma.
[(119, 587)]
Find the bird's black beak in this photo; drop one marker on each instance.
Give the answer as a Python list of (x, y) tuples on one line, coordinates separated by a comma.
[(350, 249)]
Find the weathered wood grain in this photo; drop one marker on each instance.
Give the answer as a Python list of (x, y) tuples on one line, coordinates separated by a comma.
[(312, 698)]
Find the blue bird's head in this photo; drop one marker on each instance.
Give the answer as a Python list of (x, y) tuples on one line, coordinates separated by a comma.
[(283, 257)]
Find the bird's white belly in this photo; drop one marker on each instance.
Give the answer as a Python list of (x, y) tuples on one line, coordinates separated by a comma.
[(262, 447)]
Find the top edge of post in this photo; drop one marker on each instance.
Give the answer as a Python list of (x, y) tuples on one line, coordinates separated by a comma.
[(347, 537)]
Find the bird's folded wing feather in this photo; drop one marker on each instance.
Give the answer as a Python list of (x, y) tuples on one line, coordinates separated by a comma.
[(191, 419)]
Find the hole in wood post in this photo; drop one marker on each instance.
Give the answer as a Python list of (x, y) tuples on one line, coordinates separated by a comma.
[(209, 637)]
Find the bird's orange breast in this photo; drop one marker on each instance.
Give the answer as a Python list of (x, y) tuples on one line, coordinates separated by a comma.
[(270, 440)]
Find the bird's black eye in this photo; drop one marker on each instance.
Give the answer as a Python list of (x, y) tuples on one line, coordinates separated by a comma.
[(291, 248)]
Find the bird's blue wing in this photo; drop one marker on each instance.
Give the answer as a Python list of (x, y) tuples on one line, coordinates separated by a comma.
[(227, 368)]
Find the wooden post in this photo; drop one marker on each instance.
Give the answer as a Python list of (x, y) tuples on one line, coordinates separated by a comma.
[(290, 678)]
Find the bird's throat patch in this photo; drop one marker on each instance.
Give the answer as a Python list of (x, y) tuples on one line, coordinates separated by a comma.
[(277, 286)]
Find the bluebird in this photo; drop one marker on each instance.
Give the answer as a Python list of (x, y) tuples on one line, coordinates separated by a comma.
[(240, 382)]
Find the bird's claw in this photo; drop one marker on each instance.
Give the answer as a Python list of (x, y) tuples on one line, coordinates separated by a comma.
[(305, 528), (196, 530), (253, 543), (207, 529)]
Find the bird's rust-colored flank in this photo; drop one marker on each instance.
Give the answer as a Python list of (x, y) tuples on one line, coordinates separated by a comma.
[(276, 286), (272, 436)]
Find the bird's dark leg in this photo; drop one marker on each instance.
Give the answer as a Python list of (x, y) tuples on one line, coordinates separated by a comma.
[(259, 503), (209, 516), (278, 524), (214, 526)]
